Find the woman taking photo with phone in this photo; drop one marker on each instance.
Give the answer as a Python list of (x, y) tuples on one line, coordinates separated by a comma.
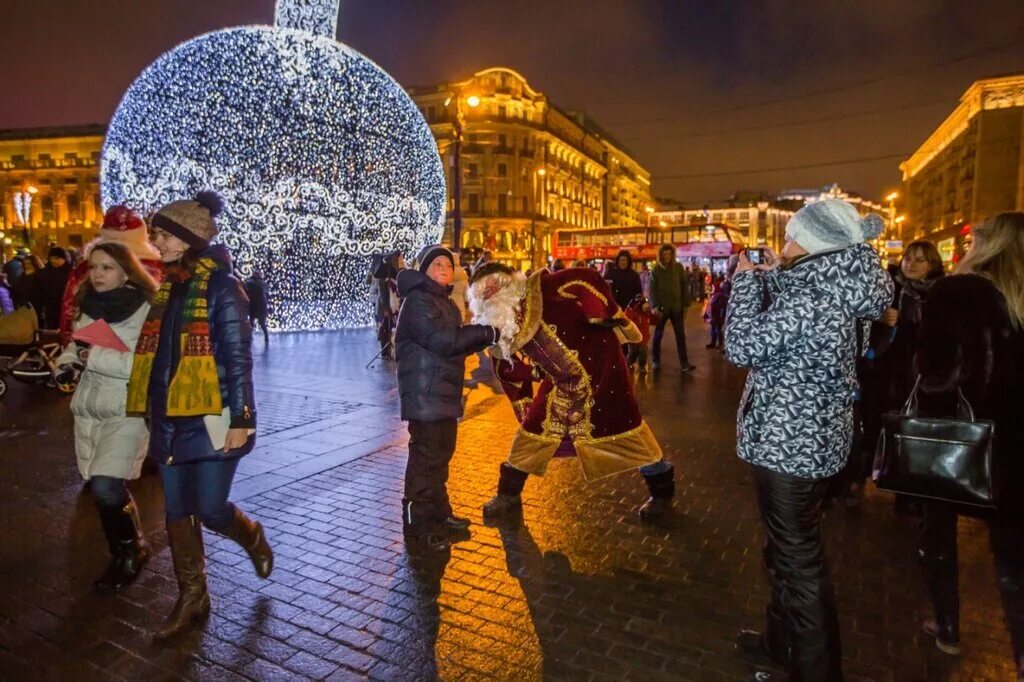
[(193, 377), (113, 302)]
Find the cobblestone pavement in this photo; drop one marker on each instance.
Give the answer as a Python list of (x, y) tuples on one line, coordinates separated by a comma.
[(580, 590)]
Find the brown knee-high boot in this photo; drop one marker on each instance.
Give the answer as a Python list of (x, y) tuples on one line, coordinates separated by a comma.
[(186, 540), (249, 534)]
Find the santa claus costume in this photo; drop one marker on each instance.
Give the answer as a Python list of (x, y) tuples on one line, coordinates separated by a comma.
[(565, 330), (120, 224)]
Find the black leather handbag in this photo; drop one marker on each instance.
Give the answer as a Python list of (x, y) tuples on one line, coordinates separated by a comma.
[(937, 458)]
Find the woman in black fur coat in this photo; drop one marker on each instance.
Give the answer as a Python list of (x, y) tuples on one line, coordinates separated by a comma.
[(972, 336)]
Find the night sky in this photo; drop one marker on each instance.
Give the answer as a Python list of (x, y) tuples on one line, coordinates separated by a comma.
[(696, 90)]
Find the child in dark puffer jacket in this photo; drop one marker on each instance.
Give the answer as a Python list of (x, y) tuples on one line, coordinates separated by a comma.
[(431, 347)]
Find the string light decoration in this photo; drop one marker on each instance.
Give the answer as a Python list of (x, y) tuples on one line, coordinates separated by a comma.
[(322, 158)]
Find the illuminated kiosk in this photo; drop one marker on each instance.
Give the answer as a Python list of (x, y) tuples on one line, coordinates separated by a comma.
[(322, 158)]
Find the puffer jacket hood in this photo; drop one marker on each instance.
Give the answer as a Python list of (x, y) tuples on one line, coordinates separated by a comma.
[(628, 255), (852, 274), (796, 413)]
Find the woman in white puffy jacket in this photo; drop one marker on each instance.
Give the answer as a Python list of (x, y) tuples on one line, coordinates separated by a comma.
[(111, 446)]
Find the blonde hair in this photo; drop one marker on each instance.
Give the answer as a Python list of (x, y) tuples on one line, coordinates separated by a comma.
[(997, 253)]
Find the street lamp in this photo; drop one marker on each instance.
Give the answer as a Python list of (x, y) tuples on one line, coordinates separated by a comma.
[(472, 102)]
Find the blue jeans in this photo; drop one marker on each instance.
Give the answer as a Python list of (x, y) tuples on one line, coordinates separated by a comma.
[(200, 488)]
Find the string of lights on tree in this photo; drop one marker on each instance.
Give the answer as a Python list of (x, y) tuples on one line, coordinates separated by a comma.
[(322, 158)]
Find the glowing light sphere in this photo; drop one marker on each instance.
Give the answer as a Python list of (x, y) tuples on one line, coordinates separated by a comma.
[(322, 158)]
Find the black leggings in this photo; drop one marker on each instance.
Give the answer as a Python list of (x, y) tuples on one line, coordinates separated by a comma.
[(108, 491), (939, 557)]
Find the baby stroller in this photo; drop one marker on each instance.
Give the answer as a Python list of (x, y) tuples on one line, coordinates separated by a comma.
[(30, 353)]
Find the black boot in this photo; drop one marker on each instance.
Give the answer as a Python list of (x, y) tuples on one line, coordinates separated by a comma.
[(249, 534), (423, 531), (510, 486), (940, 572), (129, 550), (662, 487)]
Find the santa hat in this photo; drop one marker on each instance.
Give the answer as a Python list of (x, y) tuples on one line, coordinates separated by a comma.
[(125, 226)]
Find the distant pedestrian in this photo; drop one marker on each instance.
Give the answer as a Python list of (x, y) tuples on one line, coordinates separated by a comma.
[(6, 296), (670, 296), (384, 275), (795, 416), (639, 313), (623, 279), (24, 289), (198, 394), (717, 309), (110, 444), (432, 345), (50, 284), (256, 290)]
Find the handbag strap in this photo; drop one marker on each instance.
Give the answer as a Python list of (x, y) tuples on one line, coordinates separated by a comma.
[(963, 407)]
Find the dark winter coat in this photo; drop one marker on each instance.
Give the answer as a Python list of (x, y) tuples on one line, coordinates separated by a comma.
[(670, 285), (6, 300), (186, 438), (796, 413), (48, 292), (625, 282), (256, 290), (720, 303), (967, 340), (431, 347)]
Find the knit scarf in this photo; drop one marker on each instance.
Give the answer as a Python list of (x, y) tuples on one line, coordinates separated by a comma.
[(194, 388)]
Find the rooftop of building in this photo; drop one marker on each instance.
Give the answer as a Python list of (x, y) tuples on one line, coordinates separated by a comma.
[(993, 92), (54, 132)]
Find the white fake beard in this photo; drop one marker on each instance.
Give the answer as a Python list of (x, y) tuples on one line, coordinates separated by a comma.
[(501, 309)]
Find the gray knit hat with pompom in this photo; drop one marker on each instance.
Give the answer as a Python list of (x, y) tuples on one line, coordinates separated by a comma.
[(830, 225)]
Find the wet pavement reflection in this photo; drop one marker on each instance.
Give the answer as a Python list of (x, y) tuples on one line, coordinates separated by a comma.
[(577, 588)]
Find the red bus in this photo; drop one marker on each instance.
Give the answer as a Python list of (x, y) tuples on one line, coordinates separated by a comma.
[(708, 245)]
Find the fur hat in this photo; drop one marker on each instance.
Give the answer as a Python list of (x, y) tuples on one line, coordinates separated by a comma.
[(429, 253), (830, 225), (191, 220), (125, 226)]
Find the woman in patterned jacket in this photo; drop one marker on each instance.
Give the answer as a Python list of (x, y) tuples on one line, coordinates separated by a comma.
[(794, 324)]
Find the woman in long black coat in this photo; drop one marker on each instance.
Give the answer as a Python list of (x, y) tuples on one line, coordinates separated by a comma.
[(972, 337)]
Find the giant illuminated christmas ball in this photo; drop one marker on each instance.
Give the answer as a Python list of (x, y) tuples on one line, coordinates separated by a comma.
[(322, 158)]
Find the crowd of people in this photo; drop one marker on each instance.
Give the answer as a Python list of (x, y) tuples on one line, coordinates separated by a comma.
[(158, 337)]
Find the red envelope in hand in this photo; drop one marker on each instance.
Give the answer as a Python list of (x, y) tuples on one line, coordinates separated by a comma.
[(99, 333)]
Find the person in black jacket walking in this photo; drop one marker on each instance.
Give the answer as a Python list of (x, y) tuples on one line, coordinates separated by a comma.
[(972, 339), (624, 280), (432, 345)]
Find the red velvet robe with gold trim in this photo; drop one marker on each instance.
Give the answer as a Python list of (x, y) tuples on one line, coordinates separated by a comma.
[(572, 331)]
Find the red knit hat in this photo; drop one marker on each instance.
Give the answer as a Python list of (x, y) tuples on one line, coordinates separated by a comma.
[(122, 224)]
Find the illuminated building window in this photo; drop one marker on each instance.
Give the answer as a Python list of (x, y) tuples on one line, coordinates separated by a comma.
[(46, 204), (472, 171), (74, 208)]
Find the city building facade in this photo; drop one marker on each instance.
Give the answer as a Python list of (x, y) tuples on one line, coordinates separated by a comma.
[(49, 186), (970, 167), (527, 167)]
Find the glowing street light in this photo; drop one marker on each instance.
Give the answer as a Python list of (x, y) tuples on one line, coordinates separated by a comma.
[(900, 219), (892, 196), (542, 172), (473, 101), (32, 189)]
